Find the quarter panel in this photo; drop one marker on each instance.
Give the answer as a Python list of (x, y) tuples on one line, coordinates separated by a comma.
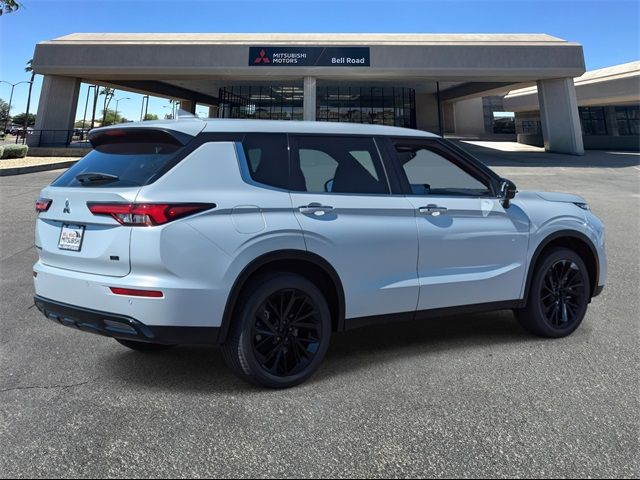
[(209, 250)]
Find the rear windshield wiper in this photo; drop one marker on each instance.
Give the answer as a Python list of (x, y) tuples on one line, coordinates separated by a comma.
[(92, 177)]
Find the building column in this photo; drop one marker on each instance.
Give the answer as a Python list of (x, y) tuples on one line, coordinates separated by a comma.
[(561, 129), (56, 109), (469, 117), (427, 112), (309, 102), (188, 106), (213, 112)]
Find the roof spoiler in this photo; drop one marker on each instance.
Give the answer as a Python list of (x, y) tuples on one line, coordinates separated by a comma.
[(115, 135)]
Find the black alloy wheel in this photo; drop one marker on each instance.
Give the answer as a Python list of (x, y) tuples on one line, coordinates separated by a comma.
[(562, 294), (280, 331), (559, 294), (286, 332)]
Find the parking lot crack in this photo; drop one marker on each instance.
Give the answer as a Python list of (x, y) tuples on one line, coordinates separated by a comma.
[(17, 253), (47, 387)]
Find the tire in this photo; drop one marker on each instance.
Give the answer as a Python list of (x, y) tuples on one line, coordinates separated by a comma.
[(268, 345), (558, 295), (144, 346)]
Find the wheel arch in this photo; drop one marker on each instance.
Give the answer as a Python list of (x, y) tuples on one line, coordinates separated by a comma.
[(310, 265), (575, 241)]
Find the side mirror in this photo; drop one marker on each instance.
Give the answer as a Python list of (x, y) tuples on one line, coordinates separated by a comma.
[(508, 190)]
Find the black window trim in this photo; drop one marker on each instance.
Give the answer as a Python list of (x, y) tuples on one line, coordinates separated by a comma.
[(452, 153), (383, 144)]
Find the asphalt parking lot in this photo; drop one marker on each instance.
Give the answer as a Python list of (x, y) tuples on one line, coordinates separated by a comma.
[(468, 396)]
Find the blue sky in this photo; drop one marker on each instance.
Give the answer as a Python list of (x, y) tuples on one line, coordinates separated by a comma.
[(608, 29)]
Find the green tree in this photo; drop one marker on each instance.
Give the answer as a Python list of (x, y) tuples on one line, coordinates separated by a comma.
[(108, 93), (109, 117), (8, 6), (151, 116), (4, 112), (23, 118)]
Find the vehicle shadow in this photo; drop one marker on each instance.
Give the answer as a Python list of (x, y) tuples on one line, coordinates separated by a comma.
[(358, 349), (202, 369), (591, 159)]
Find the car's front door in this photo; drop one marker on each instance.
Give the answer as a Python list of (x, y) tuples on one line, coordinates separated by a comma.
[(348, 216), (471, 249)]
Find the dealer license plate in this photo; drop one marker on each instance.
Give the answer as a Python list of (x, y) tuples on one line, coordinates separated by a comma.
[(71, 237)]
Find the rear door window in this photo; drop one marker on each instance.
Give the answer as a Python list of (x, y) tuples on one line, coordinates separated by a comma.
[(337, 165), (124, 159)]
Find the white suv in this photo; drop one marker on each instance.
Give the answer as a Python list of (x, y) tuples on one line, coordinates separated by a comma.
[(267, 236)]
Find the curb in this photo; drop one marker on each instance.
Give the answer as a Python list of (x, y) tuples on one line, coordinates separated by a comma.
[(5, 172)]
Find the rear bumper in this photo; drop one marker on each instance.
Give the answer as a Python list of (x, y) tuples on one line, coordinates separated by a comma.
[(123, 327), (185, 302)]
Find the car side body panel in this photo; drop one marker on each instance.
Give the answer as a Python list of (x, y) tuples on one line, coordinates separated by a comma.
[(372, 242)]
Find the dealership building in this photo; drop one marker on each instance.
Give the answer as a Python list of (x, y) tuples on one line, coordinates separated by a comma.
[(608, 107), (424, 81)]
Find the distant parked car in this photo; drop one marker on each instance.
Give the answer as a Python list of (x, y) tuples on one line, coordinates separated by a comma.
[(21, 132)]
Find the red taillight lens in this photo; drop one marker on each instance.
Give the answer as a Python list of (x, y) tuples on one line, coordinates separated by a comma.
[(147, 214), (131, 292), (43, 204)]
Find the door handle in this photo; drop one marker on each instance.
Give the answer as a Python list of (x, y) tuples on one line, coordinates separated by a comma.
[(433, 210), (315, 209)]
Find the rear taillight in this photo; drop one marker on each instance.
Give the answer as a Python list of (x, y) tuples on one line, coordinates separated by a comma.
[(134, 292), (43, 204), (147, 214)]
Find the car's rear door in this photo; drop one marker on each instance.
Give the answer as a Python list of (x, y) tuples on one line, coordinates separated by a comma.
[(349, 216)]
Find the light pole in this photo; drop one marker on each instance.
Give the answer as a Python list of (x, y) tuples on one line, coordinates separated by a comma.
[(13, 85), (115, 117), (143, 108), (172, 106)]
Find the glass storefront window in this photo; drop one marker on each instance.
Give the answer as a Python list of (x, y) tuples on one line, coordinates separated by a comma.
[(261, 102), (592, 120), (379, 105), (628, 119)]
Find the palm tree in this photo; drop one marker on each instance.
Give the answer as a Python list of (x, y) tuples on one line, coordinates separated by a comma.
[(108, 95), (8, 6), (29, 69)]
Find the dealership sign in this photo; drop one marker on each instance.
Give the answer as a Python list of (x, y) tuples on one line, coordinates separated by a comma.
[(309, 56)]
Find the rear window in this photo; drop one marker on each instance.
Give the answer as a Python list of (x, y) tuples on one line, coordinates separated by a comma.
[(123, 160)]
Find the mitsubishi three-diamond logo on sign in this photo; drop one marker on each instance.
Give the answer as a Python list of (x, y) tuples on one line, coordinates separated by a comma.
[(262, 57)]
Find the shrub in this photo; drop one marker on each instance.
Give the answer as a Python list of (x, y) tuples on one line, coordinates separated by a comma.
[(1, 150), (14, 151)]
